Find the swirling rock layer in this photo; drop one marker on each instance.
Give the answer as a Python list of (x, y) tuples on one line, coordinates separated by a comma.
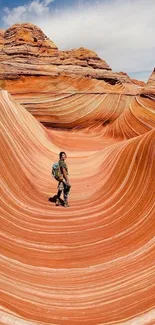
[(72, 102), (92, 263)]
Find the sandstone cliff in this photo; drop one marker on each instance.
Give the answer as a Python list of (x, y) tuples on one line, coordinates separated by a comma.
[(25, 50)]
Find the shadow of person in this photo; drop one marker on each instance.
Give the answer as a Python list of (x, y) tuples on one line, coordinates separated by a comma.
[(53, 199)]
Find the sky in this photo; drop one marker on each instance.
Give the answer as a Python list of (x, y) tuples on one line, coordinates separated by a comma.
[(121, 32)]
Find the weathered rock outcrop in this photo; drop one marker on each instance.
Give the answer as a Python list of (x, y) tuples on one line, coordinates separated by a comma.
[(31, 66), (44, 79), (27, 51), (138, 82), (151, 81), (27, 40), (149, 89)]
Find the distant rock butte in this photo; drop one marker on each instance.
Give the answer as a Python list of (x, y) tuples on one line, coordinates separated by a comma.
[(151, 81), (25, 50), (29, 39), (149, 89), (138, 82)]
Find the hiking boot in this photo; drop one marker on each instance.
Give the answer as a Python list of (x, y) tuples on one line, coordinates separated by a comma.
[(57, 203), (66, 205)]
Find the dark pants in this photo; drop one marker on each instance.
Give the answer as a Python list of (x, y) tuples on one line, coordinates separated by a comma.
[(65, 188)]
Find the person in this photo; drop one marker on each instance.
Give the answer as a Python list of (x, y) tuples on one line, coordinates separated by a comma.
[(64, 184)]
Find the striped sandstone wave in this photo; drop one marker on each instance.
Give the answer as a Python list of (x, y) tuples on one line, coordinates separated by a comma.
[(137, 119), (70, 103), (94, 262)]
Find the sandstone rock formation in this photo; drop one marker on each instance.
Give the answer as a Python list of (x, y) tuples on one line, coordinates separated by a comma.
[(92, 263), (137, 119), (81, 100), (27, 51), (43, 79), (149, 90), (151, 81), (138, 82)]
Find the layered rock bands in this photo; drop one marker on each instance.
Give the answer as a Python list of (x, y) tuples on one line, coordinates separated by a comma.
[(25, 50), (91, 263)]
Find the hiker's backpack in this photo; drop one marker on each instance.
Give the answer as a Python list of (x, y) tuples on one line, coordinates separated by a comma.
[(56, 171)]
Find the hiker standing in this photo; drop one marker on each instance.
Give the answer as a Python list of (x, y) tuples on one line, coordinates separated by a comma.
[(63, 184)]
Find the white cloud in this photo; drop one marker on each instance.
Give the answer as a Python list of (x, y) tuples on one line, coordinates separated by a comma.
[(120, 31), (33, 10), (47, 2)]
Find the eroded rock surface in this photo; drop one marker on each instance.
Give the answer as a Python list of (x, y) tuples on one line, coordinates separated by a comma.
[(149, 89), (27, 51), (76, 266), (92, 263)]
